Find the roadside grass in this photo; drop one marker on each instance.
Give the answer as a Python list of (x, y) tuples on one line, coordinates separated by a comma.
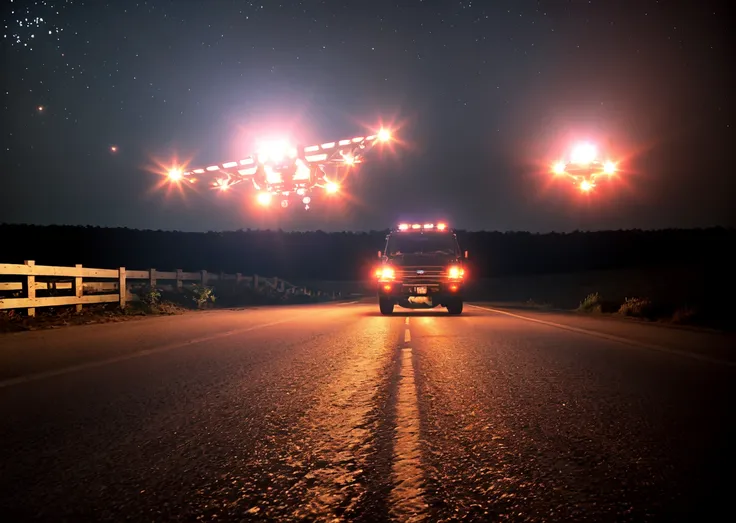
[(152, 302), (55, 317), (645, 309)]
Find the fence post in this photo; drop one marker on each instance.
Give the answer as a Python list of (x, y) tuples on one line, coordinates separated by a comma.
[(78, 287), (179, 280), (31, 286), (152, 278), (203, 275), (122, 287)]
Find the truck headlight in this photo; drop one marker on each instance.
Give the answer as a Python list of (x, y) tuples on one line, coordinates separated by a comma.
[(455, 272), (387, 273)]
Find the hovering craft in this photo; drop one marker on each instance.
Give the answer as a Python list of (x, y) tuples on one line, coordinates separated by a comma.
[(584, 167), (281, 171)]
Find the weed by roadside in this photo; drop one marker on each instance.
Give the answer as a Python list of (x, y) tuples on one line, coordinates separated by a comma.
[(642, 308), (152, 301), (591, 303), (685, 315), (637, 308), (55, 317)]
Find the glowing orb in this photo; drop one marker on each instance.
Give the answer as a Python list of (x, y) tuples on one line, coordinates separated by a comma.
[(584, 153), (263, 198), (558, 168)]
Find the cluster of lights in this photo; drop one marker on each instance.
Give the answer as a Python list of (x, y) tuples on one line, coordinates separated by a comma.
[(425, 227), (278, 151), (585, 156), (272, 155)]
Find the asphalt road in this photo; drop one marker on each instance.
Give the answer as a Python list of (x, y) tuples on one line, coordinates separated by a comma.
[(328, 412)]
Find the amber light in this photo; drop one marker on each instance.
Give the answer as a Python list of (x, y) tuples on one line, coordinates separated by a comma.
[(455, 273), (387, 287)]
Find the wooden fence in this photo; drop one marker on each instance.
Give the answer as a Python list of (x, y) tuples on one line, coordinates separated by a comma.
[(110, 285)]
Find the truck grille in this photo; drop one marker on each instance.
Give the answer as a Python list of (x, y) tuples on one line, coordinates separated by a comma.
[(409, 275)]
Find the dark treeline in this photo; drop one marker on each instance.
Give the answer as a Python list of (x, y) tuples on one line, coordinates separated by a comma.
[(349, 255)]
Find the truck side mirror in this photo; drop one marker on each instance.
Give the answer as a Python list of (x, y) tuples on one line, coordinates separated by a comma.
[(466, 255), (379, 254)]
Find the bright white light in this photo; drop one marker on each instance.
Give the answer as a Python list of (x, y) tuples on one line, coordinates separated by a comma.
[(609, 168), (584, 153), (585, 186), (558, 168), (175, 175), (384, 135), (272, 177), (264, 198), (306, 200), (275, 151), (332, 187)]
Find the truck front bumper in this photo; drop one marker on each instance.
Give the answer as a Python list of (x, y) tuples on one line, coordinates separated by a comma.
[(430, 294)]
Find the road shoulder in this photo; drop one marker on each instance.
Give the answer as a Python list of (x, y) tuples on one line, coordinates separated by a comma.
[(702, 344)]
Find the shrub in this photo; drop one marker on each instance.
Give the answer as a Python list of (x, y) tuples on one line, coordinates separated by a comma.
[(637, 308), (592, 303), (150, 297), (685, 315), (202, 295)]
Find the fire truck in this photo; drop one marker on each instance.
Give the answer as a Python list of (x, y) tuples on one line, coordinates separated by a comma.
[(281, 171), (421, 267)]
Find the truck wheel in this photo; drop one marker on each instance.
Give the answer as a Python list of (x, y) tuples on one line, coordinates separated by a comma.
[(386, 306), (455, 307)]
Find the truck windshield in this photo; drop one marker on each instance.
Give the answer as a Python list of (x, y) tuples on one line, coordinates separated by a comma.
[(420, 243)]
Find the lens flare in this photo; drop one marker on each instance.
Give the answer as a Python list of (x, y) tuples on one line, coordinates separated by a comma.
[(558, 168), (264, 198), (584, 153)]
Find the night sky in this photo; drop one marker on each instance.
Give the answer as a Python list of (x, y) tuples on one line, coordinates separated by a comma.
[(483, 95)]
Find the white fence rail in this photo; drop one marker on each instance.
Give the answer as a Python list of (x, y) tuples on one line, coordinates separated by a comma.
[(110, 285)]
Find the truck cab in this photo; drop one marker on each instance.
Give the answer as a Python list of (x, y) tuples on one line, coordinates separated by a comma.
[(421, 267)]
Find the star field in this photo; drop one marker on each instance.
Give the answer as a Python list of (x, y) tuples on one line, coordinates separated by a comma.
[(92, 91)]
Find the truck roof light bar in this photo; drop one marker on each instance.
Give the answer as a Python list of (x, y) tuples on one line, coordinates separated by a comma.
[(426, 226)]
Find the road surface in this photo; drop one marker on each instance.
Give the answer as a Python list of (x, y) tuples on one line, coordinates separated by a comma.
[(334, 412)]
